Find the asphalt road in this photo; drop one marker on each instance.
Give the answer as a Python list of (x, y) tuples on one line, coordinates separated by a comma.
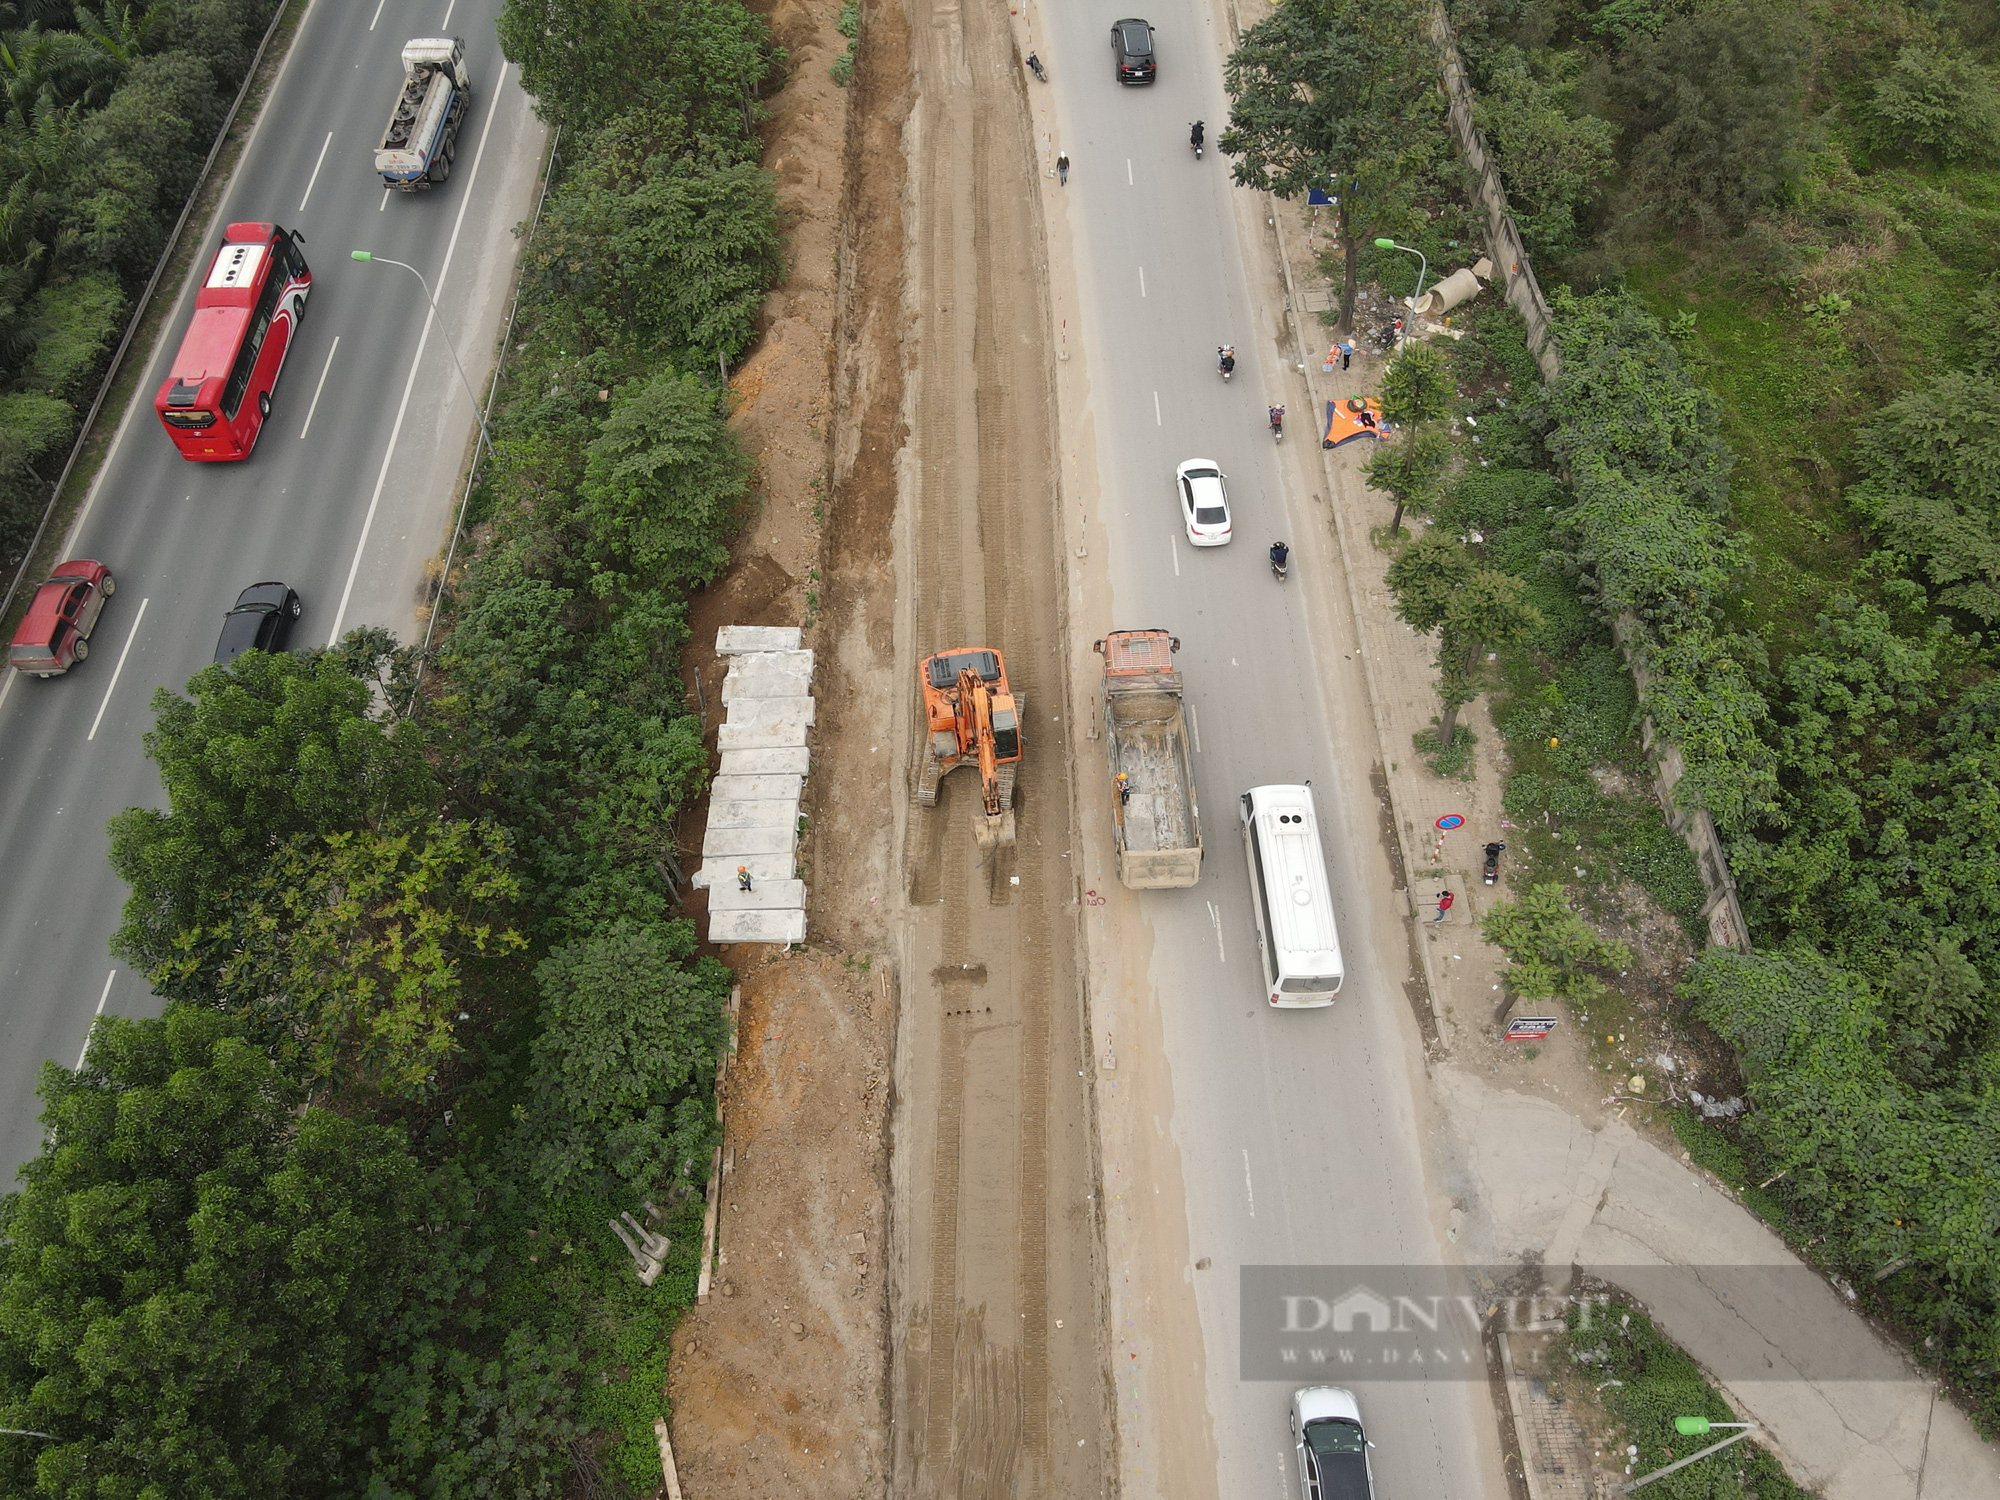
[(347, 497), (1298, 1132)]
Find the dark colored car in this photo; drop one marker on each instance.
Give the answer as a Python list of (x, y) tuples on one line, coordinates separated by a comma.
[(261, 620), (1132, 45), (55, 632)]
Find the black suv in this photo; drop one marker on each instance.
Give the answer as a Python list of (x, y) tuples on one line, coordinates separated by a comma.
[(1132, 45)]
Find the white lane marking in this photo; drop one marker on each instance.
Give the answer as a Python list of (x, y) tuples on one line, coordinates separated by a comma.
[(446, 22), (7, 687), (1158, 420), (385, 200), (91, 1029), (1142, 281), (1215, 920), (316, 166), (410, 385), (378, 13), (113, 686), (1249, 1191), (325, 370), (1194, 728), (1128, 173), (1177, 554)]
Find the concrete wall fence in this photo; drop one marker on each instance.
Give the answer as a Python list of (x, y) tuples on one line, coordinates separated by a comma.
[(1726, 926)]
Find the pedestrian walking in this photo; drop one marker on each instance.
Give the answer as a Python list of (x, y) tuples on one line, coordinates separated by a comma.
[(1346, 353), (1445, 898), (1062, 168), (742, 877)]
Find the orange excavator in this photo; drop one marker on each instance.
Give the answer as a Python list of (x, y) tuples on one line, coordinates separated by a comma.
[(973, 719)]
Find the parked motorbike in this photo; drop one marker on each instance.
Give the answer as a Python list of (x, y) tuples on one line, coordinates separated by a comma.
[(1492, 870), (1280, 557)]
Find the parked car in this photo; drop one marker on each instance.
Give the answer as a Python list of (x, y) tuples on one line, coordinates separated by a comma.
[(1132, 45), (1204, 502), (260, 620), (55, 632), (1332, 1448)]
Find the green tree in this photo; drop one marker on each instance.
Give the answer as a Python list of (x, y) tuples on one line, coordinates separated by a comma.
[(1550, 949), (198, 1273), (271, 747), (588, 61), (666, 486), (1339, 95), (1938, 101), (1714, 112), (674, 248), (1416, 393), (347, 954), (622, 1075), (1441, 586), (1931, 487), (1554, 161)]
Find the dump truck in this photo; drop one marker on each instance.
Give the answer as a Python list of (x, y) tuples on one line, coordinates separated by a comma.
[(972, 718), (1152, 774), (422, 136)]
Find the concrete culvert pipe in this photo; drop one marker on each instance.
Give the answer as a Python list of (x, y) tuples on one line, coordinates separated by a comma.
[(1460, 286)]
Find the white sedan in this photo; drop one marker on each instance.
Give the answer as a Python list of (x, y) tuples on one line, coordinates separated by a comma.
[(1333, 1450), (1204, 502)]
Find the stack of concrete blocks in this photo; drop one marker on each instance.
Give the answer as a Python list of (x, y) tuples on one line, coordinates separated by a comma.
[(753, 803)]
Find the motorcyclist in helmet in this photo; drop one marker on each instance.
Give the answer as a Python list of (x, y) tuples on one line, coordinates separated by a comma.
[(1277, 416), (1196, 135), (1279, 552), (1225, 358)]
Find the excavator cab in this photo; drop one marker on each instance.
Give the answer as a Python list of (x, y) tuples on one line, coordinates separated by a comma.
[(972, 716)]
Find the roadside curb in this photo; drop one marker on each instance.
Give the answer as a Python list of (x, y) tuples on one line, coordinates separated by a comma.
[(1352, 547)]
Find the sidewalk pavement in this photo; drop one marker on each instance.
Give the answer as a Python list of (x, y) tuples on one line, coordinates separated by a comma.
[(1541, 1180), (1844, 1408)]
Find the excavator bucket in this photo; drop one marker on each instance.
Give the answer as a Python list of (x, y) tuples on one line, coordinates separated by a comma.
[(994, 833)]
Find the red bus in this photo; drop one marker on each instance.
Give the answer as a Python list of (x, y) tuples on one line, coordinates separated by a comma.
[(215, 400)]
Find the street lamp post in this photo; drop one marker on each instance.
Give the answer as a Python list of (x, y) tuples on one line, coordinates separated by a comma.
[(1423, 270), (1693, 1427), (383, 260)]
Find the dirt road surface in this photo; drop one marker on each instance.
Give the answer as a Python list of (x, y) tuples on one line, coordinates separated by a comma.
[(997, 1381)]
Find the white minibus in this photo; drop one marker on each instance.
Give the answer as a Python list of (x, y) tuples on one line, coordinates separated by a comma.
[(1289, 893)]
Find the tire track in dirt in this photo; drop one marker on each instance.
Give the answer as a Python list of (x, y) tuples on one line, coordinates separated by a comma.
[(988, 1406)]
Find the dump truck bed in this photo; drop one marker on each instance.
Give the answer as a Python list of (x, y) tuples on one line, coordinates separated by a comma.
[(1146, 734)]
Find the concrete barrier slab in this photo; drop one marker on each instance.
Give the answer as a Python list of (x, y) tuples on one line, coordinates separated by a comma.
[(733, 843), (789, 760), (752, 788), (763, 895), (719, 872), (732, 640), (761, 737), (757, 927), (768, 812)]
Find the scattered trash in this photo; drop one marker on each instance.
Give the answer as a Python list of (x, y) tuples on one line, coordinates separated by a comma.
[(1716, 1109)]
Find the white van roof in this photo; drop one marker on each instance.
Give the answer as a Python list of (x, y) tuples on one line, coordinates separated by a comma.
[(1301, 904)]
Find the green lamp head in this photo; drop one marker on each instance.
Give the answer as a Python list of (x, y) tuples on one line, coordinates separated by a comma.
[(360, 255), (1691, 1426), (1385, 244)]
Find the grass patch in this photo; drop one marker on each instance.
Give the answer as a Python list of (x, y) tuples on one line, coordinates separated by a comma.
[(1644, 1381), (1453, 762)]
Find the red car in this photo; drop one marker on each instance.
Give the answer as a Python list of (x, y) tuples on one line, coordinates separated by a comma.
[(55, 633)]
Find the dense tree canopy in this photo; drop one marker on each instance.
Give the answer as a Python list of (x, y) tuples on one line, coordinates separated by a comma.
[(198, 1274)]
